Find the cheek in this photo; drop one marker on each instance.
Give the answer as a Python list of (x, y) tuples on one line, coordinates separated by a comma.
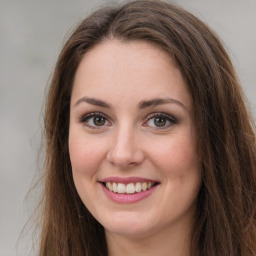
[(178, 158), (85, 155), (180, 165)]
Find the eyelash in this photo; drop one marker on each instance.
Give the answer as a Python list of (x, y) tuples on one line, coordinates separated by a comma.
[(165, 117), (85, 119)]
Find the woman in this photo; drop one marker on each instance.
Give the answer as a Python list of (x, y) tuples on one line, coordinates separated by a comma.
[(149, 147)]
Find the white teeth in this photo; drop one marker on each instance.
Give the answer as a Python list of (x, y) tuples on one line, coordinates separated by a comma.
[(129, 188), (114, 186), (121, 188), (138, 187), (144, 186), (109, 186)]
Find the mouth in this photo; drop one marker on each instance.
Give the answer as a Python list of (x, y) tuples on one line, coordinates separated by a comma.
[(129, 188)]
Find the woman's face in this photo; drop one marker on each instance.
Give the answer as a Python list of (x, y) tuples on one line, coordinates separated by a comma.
[(132, 140)]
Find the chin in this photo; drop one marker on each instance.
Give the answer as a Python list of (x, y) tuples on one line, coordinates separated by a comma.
[(128, 224)]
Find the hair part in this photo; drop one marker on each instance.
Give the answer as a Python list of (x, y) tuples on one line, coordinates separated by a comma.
[(226, 210)]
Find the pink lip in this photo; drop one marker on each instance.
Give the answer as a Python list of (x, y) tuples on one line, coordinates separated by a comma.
[(127, 180), (127, 198)]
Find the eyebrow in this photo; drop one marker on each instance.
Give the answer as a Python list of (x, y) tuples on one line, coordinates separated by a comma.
[(93, 101), (159, 101), (142, 104)]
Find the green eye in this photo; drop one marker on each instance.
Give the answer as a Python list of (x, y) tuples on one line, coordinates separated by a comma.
[(160, 121), (95, 120), (99, 120)]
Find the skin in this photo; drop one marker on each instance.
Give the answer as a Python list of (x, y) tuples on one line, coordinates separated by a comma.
[(131, 144)]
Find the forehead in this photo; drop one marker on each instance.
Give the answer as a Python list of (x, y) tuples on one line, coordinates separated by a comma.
[(125, 53), (133, 69)]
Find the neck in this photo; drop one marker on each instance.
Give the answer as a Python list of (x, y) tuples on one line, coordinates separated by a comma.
[(174, 241)]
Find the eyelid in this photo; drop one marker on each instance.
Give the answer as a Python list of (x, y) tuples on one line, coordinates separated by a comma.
[(85, 117), (161, 114), (169, 118)]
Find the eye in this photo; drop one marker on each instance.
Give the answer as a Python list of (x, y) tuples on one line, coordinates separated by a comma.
[(160, 120), (95, 120)]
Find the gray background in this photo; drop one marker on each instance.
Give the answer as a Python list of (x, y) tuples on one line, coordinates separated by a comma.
[(31, 35)]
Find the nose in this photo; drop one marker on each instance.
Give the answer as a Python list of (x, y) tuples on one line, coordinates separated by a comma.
[(125, 150)]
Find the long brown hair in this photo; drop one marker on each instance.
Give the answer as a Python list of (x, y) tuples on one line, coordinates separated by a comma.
[(226, 212)]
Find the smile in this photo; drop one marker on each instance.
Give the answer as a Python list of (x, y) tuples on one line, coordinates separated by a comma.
[(130, 188)]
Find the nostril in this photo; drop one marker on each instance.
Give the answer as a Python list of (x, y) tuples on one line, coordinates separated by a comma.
[(125, 158)]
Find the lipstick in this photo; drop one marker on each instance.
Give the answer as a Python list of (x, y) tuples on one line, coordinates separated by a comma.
[(128, 190)]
